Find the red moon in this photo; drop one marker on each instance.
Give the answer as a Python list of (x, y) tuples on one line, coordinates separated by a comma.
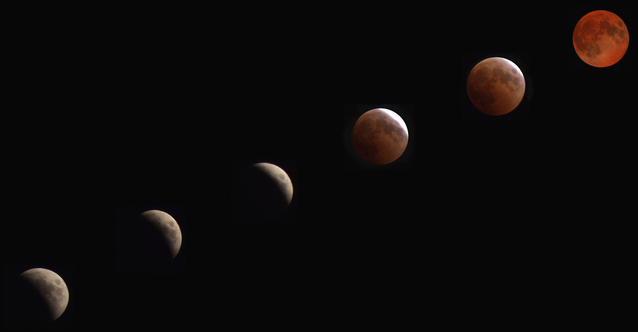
[(380, 136), (601, 38), (496, 86)]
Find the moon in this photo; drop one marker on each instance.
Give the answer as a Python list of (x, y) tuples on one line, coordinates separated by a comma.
[(147, 242), (261, 193), (601, 38), (496, 86), (51, 287), (280, 179), (380, 136), (168, 229)]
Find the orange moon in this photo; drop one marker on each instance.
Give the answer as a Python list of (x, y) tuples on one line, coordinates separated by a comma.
[(601, 38), (380, 136), (496, 86)]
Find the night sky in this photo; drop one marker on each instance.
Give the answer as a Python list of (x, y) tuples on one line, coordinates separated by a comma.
[(465, 202), (540, 43)]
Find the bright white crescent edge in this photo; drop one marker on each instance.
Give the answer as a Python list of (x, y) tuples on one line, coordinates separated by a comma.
[(396, 117), (281, 171), (49, 275)]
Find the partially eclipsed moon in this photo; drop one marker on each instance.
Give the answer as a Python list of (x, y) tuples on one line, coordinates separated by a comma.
[(168, 228), (51, 287), (380, 136), (280, 178), (496, 86), (601, 38), (261, 192)]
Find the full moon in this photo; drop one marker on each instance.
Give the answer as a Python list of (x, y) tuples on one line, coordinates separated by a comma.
[(380, 136), (50, 286), (496, 86), (261, 193), (168, 228), (601, 38)]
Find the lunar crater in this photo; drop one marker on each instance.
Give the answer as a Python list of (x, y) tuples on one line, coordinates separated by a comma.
[(267, 192), (379, 136), (50, 287), (167, 227), (600, 38), (495, 86)]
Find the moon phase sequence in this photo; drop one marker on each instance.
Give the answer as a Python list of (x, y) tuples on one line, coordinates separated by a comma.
[(51, 287), (601, 38), (380, 136), (496, 86)]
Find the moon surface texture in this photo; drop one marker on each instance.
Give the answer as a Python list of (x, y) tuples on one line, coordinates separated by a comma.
[(380, 136), (51, 287), (496, 86), (168, 229), (262, 192), (601, 38), (147, 242)]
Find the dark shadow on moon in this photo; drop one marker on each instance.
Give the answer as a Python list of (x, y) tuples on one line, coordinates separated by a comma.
[(257, 196), (372, 134), (141, 246), (482, 93), (25, 307)]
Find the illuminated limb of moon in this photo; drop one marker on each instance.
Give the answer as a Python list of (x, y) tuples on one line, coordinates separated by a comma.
[(51, 287), (167, 227), (380, 136)]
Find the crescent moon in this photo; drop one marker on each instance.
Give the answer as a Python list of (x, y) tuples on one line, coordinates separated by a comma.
[(168, 227), (280, 177), (51, 287)]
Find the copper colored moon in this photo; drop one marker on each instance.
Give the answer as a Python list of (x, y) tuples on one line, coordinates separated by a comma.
[(380, 136), (601, 38), (496, 86)]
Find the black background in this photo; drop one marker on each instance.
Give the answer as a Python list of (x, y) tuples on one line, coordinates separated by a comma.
[(470, 203)]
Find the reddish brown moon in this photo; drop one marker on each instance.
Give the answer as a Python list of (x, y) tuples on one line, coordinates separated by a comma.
[(496, 86), (601, 38), (380, 136)]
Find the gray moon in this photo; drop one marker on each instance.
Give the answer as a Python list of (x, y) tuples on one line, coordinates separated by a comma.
[(167, 226), (260, 192), (380, 136), (51, 287), (280, 177)]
